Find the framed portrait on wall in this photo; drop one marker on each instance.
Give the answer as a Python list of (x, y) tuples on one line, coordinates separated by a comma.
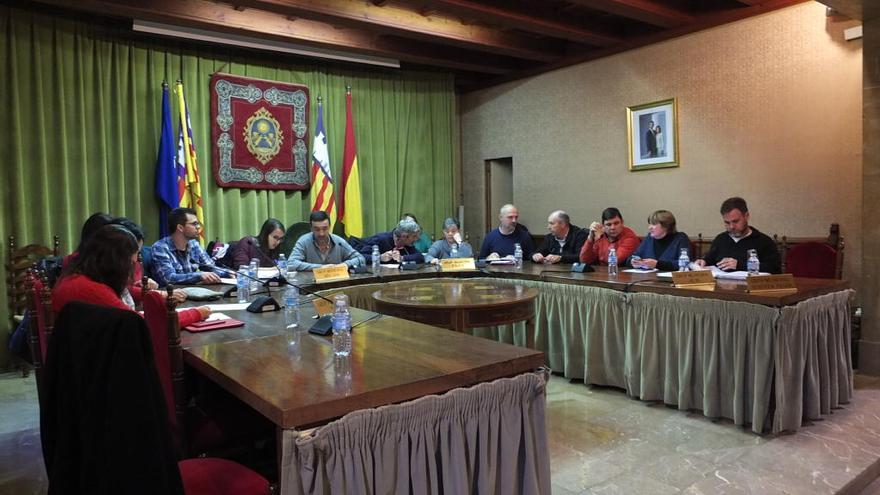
[(652, 135)]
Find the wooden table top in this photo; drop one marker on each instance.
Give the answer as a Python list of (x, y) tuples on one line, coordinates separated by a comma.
[(392, 360), (457, 294)]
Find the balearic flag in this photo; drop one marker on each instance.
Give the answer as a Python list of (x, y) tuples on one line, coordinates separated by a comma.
[(350, 210), (322, 182), (166, 166), (188, 182)]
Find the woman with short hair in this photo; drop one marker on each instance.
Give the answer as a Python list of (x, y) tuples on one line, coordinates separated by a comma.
[(662, 246), (451, 237)]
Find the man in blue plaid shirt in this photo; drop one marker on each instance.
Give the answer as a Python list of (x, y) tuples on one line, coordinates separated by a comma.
[(178, 258)]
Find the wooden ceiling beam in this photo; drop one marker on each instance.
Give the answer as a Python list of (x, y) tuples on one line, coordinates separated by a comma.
[(410, 23), (647, 11), (524, 22), (220, 18)]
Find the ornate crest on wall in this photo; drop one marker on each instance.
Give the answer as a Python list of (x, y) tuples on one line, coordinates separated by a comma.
[(259, 131)]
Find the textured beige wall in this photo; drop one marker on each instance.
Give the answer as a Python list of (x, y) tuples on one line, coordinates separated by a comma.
[(769, 109)]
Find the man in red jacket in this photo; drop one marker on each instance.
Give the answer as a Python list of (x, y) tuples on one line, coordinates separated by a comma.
[(611, 233)]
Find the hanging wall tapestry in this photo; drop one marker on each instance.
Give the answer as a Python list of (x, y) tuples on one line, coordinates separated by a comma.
[(260, 133)]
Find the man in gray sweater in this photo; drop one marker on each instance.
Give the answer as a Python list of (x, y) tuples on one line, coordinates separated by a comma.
[(319, 247)]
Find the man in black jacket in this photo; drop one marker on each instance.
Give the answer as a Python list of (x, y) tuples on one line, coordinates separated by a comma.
[(729, 250), (563, 242)]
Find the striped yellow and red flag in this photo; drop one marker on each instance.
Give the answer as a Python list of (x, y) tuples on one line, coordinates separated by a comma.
[(322, 182), (350, 208), (188, 183)]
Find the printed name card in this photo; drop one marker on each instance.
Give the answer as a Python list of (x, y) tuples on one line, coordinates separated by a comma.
[(330, 272), (698, 278), (457, 264), (322, 306), (771, 283)]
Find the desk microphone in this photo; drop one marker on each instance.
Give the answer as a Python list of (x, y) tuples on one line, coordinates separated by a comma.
[(260, 304)]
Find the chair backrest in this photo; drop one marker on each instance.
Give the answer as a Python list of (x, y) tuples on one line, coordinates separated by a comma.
[(103, 424), (161, 315), (147, 260), (40, 322), (19, 260), (811, 259)]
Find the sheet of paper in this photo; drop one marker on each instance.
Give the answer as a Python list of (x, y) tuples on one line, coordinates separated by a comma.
[(229, 307), (640, 270), (227, 281), (269, 272), (217, 317), (502, 261)]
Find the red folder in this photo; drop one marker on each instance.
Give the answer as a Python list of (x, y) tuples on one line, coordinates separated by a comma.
[(204, 326)]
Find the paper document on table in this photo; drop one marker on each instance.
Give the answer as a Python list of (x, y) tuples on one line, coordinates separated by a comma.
[(718, 273), (217, 317), (270, 272), (507, 260), (227, 281), (640, 270), (229, 306)]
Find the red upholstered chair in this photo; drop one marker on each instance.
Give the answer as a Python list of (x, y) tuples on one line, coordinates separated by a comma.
[(40, 317), (811, 259), (101, 383), (206, 426)]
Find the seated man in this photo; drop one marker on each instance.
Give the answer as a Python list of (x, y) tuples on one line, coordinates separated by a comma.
[(564, 241), (424, 241), (178, 258), (501, 242), (319, 247), (729, 250), (395, 246), (611, 233)]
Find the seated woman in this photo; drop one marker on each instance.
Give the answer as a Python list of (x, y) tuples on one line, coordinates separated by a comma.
[(103, 270), (264, 247), (424, 241), (451, 237), (90, 226), (663, 245), (136, 288)]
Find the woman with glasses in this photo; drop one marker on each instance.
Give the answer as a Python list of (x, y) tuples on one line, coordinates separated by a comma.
[(264, 247)]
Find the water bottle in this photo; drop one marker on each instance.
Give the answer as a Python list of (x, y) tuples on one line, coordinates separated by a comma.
[(241, 284), (341, 326), (612, 262), (517, 255), (253, 271), (375, 259), (753, 265), (683, 260), (282, 263), (291, 308), (453, 252)]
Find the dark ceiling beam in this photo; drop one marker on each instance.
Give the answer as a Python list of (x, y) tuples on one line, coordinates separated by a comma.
[(647, 11), (409, 23), (208, 15), (703, 22), (524, 22)]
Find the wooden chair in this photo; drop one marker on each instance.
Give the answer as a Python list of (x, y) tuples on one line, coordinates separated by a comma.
[(41, 319), (814, 257), (294, 232), (201, 427), (18, 261)]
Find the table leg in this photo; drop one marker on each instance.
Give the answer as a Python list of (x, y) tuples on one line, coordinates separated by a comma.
[(530, 332)]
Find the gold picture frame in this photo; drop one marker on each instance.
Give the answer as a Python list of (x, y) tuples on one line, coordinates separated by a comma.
[(652, 135)]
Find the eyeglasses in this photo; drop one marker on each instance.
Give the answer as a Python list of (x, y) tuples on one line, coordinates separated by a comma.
[(195, 223)]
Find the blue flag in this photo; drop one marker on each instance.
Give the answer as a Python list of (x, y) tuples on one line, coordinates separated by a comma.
[(166, 166)]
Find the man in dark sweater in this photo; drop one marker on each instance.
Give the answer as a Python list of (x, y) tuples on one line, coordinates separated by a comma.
[(729, 250), (564, 241), (501, 242)]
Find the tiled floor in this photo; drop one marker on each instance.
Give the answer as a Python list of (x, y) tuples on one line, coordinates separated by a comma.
[(603, 442)]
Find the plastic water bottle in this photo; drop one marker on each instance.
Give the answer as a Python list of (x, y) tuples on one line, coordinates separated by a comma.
[(753, 265), (377, 262), (517, 255), (241, 284), (612, 262), (341, 326), (453, 252), (683, 260), (253, 271), (282, 263), (291, 308)]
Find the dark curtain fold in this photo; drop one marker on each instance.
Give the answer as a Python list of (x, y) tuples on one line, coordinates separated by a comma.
[(82, 125)]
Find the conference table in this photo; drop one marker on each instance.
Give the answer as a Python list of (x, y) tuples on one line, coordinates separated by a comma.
[(771, 361)]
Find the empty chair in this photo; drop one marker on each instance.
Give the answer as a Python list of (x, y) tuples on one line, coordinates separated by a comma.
[(811, 259)]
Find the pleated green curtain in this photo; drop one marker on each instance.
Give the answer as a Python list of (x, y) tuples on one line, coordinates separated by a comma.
[(81, 129)]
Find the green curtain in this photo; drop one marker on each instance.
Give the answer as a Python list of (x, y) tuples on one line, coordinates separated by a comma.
[(81, 131)]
